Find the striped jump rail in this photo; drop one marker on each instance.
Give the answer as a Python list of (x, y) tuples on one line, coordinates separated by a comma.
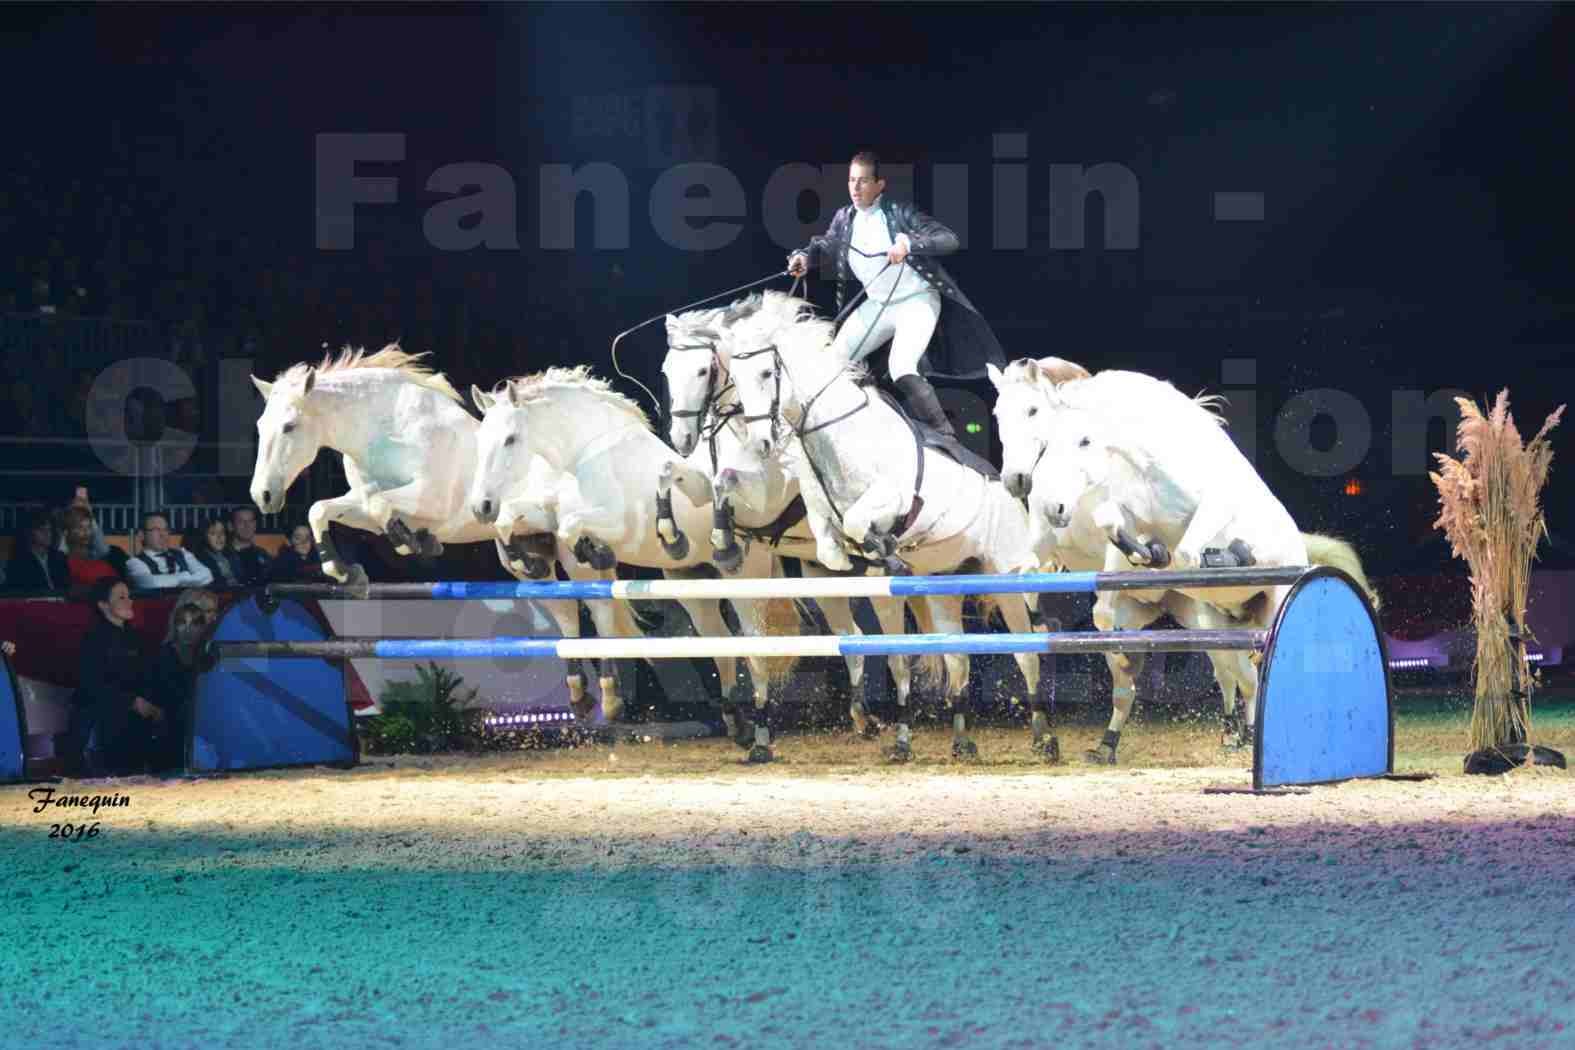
[(747, 646), (797, 587)]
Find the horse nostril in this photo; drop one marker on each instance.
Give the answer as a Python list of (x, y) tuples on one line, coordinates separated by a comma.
[(486, 506), (267, 496)]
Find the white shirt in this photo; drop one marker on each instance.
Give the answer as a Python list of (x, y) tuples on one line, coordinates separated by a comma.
[(869, 241), (142, 578)]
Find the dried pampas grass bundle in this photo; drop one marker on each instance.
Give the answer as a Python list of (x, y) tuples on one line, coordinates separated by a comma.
[(1491, 511)]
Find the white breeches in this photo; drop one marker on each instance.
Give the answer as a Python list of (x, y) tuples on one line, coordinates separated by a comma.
[(907, 325)]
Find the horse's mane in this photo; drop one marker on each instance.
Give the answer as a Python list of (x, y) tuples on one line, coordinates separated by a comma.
[(797, 330), (704, 323), (1144, 399), (524, 389), (391, 357)]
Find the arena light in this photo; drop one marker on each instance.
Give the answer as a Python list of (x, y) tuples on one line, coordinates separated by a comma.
[(1353, 487), (1410, 663)]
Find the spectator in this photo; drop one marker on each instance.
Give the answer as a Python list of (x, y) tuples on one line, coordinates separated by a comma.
[(109, 703), (211, 548), (84, 566), (35, 563), (174, 680), (160, 566), (98, 546), (300, 561), (251, 561)]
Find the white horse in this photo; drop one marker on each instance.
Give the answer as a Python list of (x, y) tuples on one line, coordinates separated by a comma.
[(868, 483), (756, 496), (409, 449), (1130, 458), (601, 446)]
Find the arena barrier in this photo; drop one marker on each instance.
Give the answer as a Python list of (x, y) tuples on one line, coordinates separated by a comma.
[(1325, 709), (13, 726)]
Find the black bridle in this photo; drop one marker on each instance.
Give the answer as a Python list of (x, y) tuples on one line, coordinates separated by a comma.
[(712, 420)]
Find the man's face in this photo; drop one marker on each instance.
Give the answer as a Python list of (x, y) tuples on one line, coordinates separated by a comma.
[(156, 534), (245, 524), (40, 534), (301, 540), (863, 186)]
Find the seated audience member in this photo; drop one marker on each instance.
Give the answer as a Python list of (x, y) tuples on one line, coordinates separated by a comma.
[(300, 561), (98, 546), (9, 648), (111, 702), (86, 568), (35, 563), (174, 680), (211, 548), (251, 561), (161, 566)]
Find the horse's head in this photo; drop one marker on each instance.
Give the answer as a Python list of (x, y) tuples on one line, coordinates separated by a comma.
[(763, 386), (695, 372), (289, 435), (1077, 459), (1021, 407), (501, 450)]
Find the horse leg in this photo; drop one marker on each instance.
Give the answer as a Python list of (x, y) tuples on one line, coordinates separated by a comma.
[(1206, 528), (1196, 616), (673, 540), (1021, 621), (890, 613), (592, 533), (706, 615), (350, 510), (839, 617), (612, 620), (1117, 611), (872, 517), (946, 613)]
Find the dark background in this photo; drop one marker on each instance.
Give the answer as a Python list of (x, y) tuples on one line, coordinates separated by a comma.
[(1414, 163)]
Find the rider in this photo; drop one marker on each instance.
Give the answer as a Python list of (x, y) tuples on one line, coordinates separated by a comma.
[(906, 305)]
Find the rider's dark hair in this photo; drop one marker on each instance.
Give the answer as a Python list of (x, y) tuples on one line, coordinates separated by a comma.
[(869, 158)]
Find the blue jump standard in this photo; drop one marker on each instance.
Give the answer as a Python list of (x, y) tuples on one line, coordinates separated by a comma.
[(836, 586)]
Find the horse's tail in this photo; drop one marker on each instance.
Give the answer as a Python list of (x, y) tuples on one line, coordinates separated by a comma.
[(1337, 554), (930, 667), (781, 619)]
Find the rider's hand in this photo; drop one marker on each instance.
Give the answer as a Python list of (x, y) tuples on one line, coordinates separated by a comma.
[(898, 251), (798, 264)]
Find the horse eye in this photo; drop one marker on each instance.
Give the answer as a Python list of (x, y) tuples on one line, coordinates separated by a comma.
[(508, 441), (287, 428), (765, 373), (1033, 410), (704, 371), (1083, 443)]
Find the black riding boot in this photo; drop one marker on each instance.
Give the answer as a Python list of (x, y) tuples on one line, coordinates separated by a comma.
[(918, 396)]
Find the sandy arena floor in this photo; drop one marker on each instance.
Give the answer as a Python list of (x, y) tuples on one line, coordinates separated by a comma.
[(665, 896)]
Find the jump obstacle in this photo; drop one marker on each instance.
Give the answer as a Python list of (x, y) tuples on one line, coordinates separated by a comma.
[(1325, 709)]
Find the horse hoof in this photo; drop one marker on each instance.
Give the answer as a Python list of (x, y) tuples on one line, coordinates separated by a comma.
[(677, 550), (597, 555), (901, 752), (759, 755), (871, 731), (1049, 750), (729, 559), (1103, 755), (428, 545), (583, 710), (895, 566), (965, 751)]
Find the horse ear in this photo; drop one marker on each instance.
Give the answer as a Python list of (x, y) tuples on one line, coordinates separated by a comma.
[(311, 381), (262, 388), (672, 324), (995, 374), (482, 399), (1059, 370), (514, 395)]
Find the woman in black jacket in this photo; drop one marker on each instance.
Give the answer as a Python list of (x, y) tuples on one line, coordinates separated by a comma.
[(211, 547), (35, 563), (111, 696)]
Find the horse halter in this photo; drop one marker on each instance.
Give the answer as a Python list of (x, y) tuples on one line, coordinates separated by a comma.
[(774, 414)]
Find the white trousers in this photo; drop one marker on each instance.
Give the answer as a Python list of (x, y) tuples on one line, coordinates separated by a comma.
[(907, 325)]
